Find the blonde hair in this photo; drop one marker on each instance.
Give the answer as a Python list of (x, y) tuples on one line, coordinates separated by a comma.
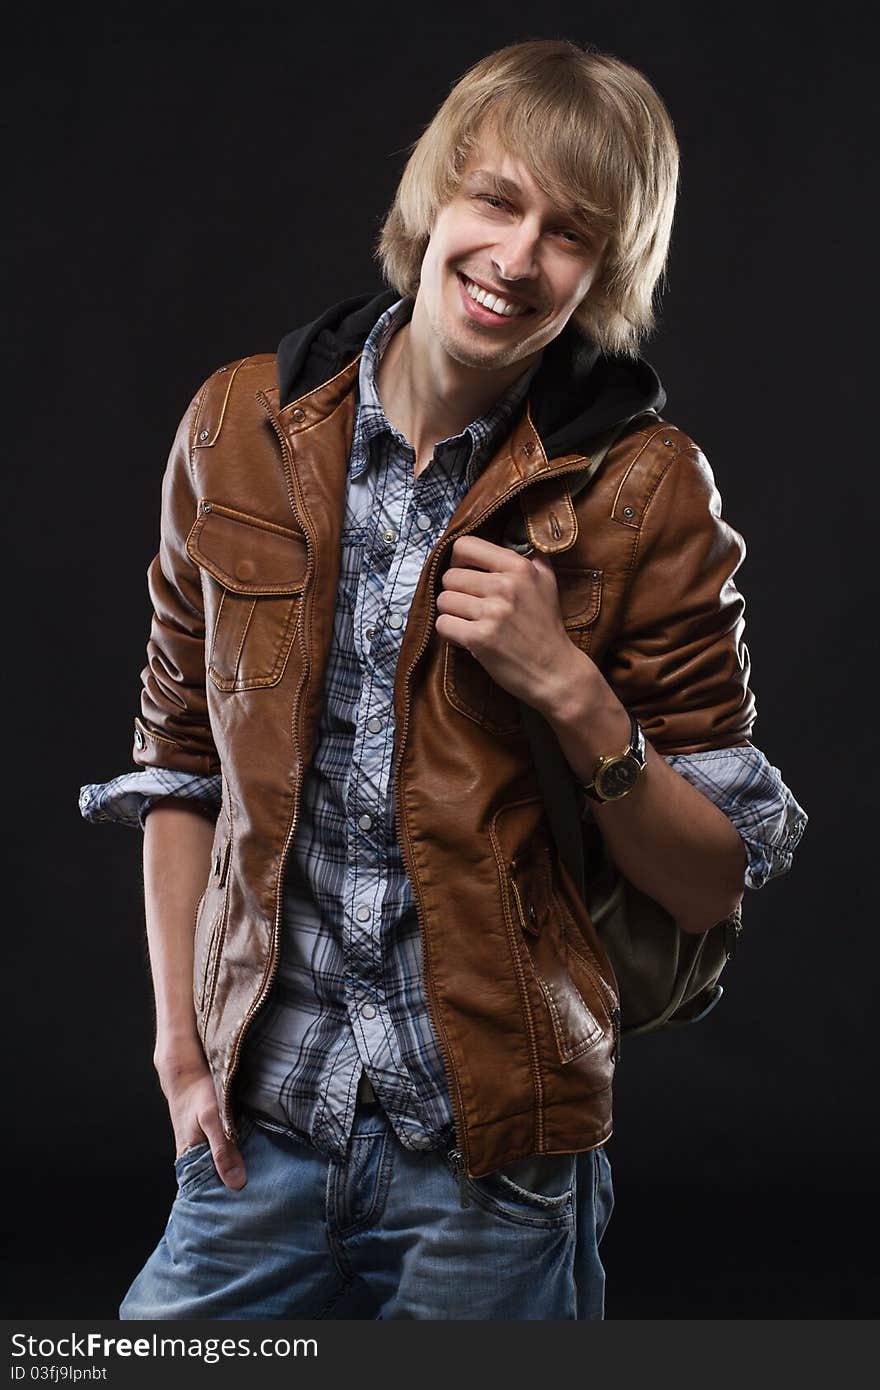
[(593, 134)]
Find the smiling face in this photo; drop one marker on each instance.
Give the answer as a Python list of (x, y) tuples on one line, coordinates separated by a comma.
[(505, 268)]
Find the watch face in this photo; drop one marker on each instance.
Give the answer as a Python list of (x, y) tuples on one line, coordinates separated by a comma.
[(616, 779)]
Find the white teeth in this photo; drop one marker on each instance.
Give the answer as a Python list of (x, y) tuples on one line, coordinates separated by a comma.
[(499, 306)]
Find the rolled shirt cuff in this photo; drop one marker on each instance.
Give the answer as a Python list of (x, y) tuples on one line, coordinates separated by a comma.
[(751, 793), (129, 798)]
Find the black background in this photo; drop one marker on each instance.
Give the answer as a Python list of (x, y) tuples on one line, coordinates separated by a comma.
[(185, 186)]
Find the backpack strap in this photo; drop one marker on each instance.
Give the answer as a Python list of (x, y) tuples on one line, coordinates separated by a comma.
[(564, 803)]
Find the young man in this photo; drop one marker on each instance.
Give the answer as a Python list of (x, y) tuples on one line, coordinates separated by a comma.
[(388, 1046)]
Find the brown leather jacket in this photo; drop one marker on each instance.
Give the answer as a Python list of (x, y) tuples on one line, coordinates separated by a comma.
[(520, 990)]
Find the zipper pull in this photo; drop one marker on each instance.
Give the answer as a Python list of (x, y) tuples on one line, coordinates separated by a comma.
[(459, 1172)]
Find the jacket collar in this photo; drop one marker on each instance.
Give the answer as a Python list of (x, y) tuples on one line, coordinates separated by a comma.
[(576, 393)]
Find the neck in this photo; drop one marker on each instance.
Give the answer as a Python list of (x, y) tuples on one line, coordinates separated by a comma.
[(428, 395)]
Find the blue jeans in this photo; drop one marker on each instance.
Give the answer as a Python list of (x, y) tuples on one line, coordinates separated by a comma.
[(380, 1234)]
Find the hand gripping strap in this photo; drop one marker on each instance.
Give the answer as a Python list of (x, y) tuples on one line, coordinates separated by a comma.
[(562, 800)]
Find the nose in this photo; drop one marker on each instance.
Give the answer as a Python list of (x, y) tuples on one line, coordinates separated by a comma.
[(515, 255)]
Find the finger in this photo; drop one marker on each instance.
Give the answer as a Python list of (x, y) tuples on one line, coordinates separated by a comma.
[(459, 631), (483, 554), (468, 581), (460, 605), (230, 1165), (543, 561), (227, 1157), (543, 566)]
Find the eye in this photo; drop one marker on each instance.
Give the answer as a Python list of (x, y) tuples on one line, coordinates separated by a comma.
[(492, 200)]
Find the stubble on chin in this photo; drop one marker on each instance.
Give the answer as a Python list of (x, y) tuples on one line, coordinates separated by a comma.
[(483, 355)]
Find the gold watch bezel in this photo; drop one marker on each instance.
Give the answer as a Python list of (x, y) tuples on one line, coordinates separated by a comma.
[(615, 760)]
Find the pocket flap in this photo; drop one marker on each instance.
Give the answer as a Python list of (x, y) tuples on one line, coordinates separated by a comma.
[(247, 554)]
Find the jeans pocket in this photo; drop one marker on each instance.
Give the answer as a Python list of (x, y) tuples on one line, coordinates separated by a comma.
[(534, 1191), (192, 1163), (195, 1165)]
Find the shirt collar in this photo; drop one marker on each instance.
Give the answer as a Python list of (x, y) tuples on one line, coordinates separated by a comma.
[(476, 443)]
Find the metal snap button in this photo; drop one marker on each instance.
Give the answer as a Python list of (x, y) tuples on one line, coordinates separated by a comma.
[(628, 511), (139, 739), (298, 415), (203, 434)]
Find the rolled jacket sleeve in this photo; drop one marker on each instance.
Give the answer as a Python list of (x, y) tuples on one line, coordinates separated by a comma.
[(680, 664), (751, 793), (174, 729), (679, 661), (129, 798)]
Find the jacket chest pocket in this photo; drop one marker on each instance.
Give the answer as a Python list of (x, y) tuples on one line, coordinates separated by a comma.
[(253, 574), (470, 689), (580, 599)]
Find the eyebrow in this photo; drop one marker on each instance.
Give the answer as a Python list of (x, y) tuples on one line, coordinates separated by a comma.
[(504, 185), (509, 188)]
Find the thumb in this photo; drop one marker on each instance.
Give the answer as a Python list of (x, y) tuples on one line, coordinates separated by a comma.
[(227, 1157), (542, 564)]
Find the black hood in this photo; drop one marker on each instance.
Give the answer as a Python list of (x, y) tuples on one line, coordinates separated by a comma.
[(577, 392)]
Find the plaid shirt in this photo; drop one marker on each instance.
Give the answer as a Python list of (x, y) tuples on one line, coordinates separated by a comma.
[(349, 997)]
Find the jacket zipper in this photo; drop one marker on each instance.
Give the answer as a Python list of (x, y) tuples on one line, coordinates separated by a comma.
[(513, 937), (220, 872), (459, 1173), (274, 952), (457, 1156)]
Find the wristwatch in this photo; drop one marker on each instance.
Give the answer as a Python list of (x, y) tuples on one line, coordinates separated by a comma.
[(617, 773)]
